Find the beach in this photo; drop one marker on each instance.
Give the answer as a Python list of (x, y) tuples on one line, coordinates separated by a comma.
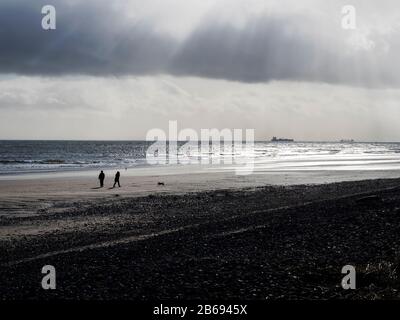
[(201, 236)]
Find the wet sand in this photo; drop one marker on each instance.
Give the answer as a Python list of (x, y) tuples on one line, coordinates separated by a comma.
[(27, 195), (267, 242)]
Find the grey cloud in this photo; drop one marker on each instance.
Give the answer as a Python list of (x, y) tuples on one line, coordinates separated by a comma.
[(266, 49), (283, 48), (90, 38), (93, 38)]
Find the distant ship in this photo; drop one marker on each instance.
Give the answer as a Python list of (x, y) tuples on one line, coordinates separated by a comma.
[(275, 139), (346, 141)]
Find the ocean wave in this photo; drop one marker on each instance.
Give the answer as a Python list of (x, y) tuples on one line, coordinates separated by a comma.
[(42, 156), (49, 161)]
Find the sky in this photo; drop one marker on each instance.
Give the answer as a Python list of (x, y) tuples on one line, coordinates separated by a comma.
[(116, 69)]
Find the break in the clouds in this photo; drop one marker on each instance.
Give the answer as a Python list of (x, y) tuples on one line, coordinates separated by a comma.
[(246, 41), (126, 108)]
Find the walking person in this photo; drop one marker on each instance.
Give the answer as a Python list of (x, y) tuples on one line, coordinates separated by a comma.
[(116, 179), (101, 178)]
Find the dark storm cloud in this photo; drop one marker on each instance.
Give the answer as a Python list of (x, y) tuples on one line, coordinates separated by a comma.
[(282, 48), (94, 38), (91, 38), (266, 49)]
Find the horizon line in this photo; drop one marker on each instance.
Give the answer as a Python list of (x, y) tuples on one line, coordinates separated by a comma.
[(141, 140)]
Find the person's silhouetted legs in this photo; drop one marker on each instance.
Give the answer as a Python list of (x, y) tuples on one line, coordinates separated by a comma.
[(116, 183)]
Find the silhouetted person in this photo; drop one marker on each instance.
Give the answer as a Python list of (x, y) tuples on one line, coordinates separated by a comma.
[(101, 178), (116, 180)]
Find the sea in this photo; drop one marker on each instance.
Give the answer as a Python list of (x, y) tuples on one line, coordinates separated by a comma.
[(20, 157)]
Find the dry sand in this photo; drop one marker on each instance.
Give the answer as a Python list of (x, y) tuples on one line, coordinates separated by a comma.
[(26, 194)]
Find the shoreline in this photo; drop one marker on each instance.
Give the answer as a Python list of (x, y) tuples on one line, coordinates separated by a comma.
[(271, 242), (26, 196)]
